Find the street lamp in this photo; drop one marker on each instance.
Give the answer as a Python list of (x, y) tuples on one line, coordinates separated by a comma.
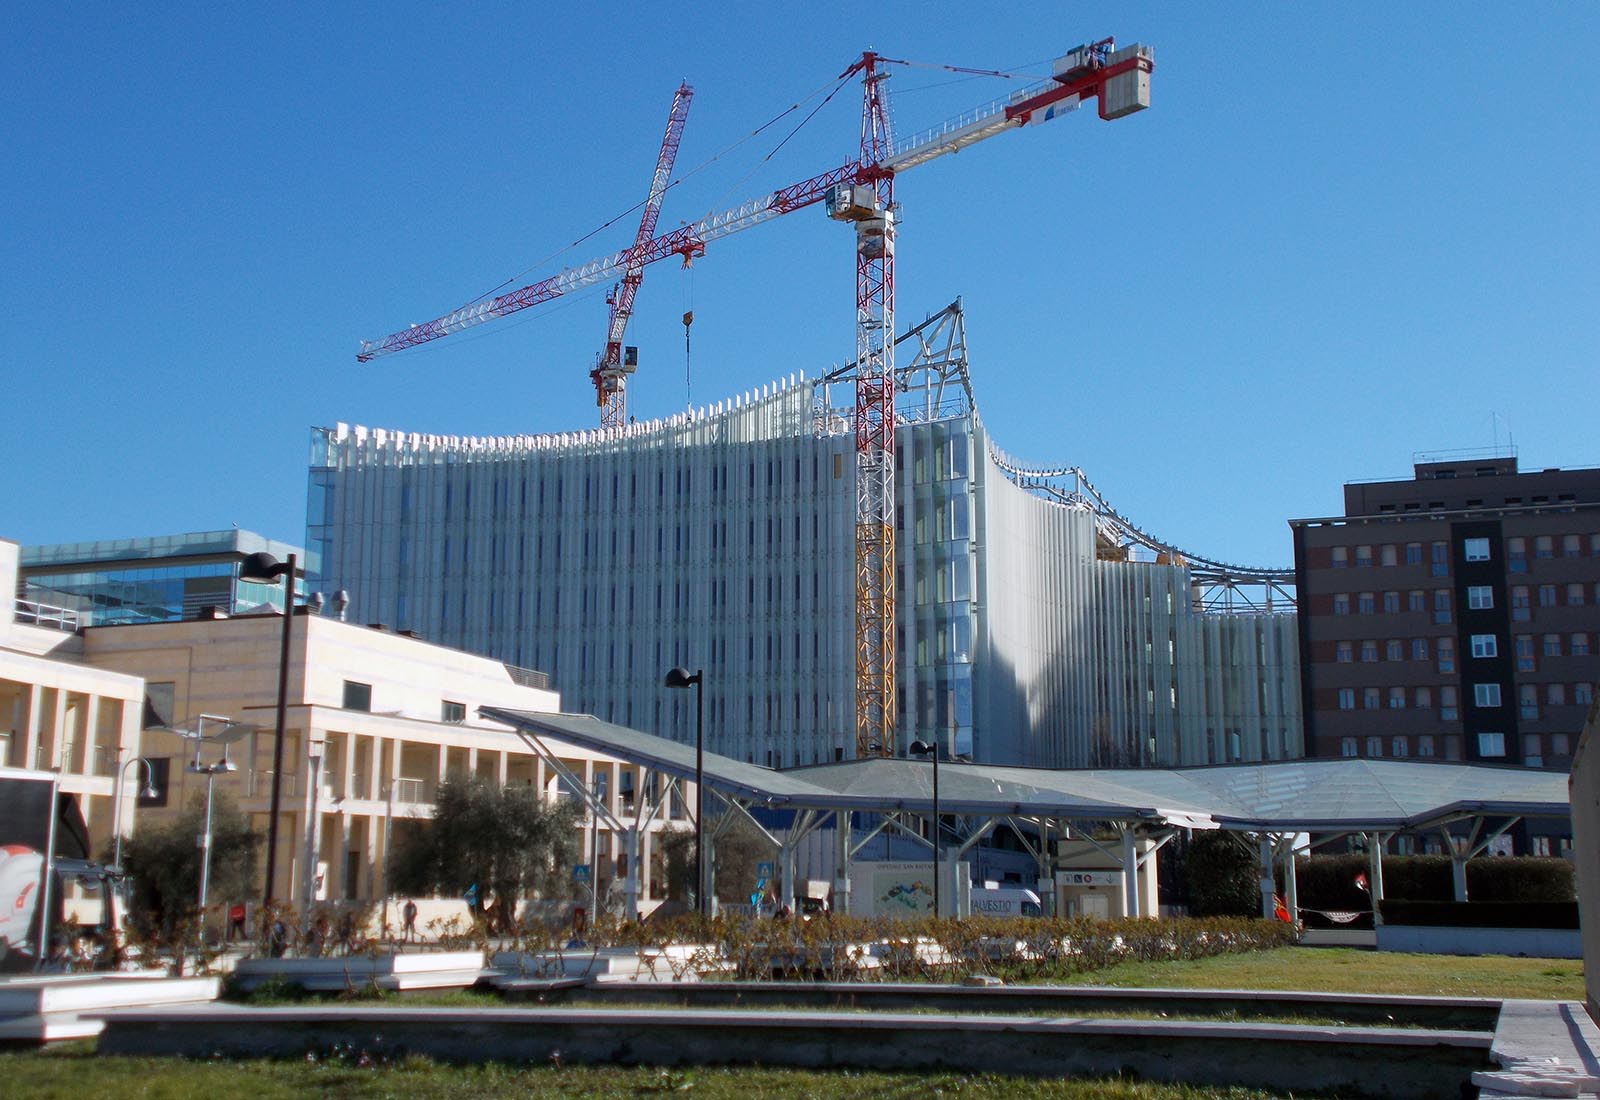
[(147, 791), (680, 678), (262, 568), (931, 748), (231, 732)]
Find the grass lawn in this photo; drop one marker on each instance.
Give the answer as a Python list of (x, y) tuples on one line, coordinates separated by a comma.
[(76, 1073), (1347, 970)]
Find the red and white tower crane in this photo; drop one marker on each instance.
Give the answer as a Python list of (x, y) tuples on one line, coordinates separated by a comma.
[(861, 192), (615, 363)]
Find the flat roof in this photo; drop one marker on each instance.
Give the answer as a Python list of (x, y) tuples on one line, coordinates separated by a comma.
[(156, 548), (1316, 795)]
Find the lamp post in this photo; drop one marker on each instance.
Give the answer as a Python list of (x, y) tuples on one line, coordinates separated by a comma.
[(210, 771), (680, 678), (931, 748), (263, 568), (147, 791)]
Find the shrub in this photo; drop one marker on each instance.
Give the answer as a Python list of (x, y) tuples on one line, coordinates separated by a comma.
[(1482, 914), (1328, 882), (1224, 878)]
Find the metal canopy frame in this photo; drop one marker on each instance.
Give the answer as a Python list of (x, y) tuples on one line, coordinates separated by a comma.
[(1167, 801)]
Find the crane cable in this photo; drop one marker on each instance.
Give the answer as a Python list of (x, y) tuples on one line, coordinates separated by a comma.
[(696, 170)]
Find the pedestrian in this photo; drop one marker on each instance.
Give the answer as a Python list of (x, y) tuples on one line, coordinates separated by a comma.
[(347, 931), (410, 914), (236, 920), (277, 938)]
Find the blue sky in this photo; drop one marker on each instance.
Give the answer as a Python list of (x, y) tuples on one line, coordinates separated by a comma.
[(1342, 234)]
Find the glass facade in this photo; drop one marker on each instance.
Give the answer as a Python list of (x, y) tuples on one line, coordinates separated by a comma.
[(163, 579)]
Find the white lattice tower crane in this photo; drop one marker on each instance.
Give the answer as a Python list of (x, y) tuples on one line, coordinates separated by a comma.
[(616, 362), (861, 192)]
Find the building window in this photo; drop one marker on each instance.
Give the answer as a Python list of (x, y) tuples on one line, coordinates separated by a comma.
[(1447, 703), (1441, 559), (1519, 603), (1340, 557), (1441, 605), (1374, 746), (1416, 600), (1559, 744), (452, 712), (1364, 557), (1369, 652), (1424, 698), (1343, 652), (1367, 603), (1524, 652), (1476, 549), (1555, 695), (1347, 698), (1541, 846), (1371, 699), (1517, 555), (1387, 554), (1480, 597), (1543, 547), (158, 705), (1569, 546), (1579, 645), (1347, 746), (1391, 603), (1398, 747), (1413, 553), (1552, 645), (1491, 744), (1425, 745), (1419, 649), (1393, 650), (1447, 655), (1397, 698), (1485, 695), (1528, 701), (1483, 645), (1341, 603), (1547, 595), (1583, 693), (357, 696), (1574, 595), (160, 781)]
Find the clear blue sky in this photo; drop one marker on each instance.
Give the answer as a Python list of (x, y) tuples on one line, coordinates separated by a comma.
[(1343, 233)]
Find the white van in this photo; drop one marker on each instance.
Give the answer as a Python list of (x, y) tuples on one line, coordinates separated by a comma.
[(1005, 901)]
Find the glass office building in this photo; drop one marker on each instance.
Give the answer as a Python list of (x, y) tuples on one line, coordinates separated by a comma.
[(150, 580)]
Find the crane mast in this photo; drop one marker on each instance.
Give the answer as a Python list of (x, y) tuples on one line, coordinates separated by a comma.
[(859, 192), (615, 363)]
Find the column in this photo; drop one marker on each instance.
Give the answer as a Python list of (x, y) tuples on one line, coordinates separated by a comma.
[(1130, 872), (1375, 861), (30, 738), (1267, 887), (841, 867)]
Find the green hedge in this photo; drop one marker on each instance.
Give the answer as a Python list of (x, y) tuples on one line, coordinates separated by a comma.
[(1328, 882), (1482, 914)]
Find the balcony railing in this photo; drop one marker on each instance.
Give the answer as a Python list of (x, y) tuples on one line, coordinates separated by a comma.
[(410, 790), (260, 785), (33, 613)]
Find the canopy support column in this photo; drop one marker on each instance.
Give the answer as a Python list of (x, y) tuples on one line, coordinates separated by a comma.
[(1130, 871), (1291, 880), (1268, 887), (841, 869), (1375, 844)]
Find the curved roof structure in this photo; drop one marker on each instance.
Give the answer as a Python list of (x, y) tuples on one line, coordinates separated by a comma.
[(1321, 795)]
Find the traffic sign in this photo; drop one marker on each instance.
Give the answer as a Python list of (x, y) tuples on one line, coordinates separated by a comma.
[(580, 872), (763, 870)]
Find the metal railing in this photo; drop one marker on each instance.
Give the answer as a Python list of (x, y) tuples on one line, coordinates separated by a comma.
[(260, 784), (33, 613)]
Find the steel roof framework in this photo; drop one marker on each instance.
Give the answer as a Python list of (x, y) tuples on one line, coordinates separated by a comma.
[(1272, 803)]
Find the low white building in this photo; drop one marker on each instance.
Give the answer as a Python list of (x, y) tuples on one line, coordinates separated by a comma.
[(58, 713), (375, 722)]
